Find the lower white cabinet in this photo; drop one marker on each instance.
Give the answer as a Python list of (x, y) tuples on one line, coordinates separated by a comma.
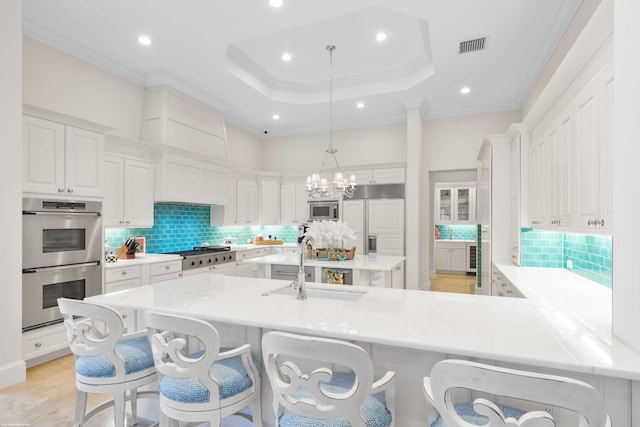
[(502, 287), (451, 256), (161, 271), (249, 270), (226, 269), (44, 344)]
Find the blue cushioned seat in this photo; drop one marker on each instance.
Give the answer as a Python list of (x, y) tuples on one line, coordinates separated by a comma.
[(229, 373), (373, 409), (466, 412), (136, 353)]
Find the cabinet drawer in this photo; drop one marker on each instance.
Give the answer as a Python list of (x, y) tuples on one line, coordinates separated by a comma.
[(43, 341), (165, 267), (122, 285), (122, 273), (162, 277)]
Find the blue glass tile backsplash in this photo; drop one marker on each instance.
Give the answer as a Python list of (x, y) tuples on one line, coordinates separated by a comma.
[(590, 256), (458, 232), (179, 227)]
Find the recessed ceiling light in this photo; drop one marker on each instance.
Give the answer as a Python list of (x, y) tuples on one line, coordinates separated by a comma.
[(381, 37), (275, 117), (360, 105), (275, 3), (144, 40), (286, 57), (465, 90)]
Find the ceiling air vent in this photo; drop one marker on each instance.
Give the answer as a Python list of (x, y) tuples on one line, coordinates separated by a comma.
[(471, 45)]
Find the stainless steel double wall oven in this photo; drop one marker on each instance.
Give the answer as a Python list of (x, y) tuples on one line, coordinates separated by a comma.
[(61, 256)]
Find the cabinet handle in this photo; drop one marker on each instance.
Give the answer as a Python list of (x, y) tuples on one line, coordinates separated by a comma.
[(38, 344), (69, 190), (166, 267), (120, 222), (127, 222), (124, 273), (124, 316), (60, 190)]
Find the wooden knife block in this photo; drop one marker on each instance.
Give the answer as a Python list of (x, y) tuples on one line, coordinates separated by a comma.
[(122, 253)]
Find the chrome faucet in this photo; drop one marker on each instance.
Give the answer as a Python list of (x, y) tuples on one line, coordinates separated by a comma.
[(298, 284)]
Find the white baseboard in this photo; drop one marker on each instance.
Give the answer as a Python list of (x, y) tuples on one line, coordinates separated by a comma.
[(12, 374)]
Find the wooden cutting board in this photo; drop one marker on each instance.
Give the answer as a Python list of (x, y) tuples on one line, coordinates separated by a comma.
[(268, 242)]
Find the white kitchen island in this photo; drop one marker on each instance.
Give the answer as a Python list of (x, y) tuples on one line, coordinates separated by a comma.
[(404, 330), (378, 271)]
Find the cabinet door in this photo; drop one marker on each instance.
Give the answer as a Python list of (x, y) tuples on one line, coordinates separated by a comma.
[(138, 193), (113, 202), (84, 162), (252, 203), (386, 216), (388, 176), (443, 259), (228, 269), (464, 204), (230, 216), (444, 206), (288, 203), (362, 176), (246, 270), (390, 244), (181, 181), (565, 165), (587, 157), (552, 191), (242, 202), (42, 156), (606, 149), (270, 201), (302, 206), (459, 259)]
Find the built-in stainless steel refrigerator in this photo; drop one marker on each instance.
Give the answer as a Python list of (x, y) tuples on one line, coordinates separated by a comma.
[(376, 215)]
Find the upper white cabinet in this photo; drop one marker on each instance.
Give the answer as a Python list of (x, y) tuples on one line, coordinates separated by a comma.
[(593, 154), (61, 159), (294, 208), (269, 200), (455, 203), (128, 195), (189, 181), (378, 176), (246, 202)]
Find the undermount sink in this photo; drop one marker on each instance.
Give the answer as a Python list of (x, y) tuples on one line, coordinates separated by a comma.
[(340, 292)]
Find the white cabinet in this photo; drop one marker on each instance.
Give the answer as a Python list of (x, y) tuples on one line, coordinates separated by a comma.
[(60, 159), (246, 207), (179, 179), (502, 287), (161, 271), (128, 195), (269, 200), (227, 269), (451, 256), (121, 278), (455, 203), (378, 175), (44, 344), (386, 216), (294, 208), (593, 154)]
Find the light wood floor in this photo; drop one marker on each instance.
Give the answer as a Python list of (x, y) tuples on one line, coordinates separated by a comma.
[(457, 283), (47, 399)]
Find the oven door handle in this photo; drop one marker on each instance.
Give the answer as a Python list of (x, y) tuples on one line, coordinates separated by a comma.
[(61, 213), (60, 267)]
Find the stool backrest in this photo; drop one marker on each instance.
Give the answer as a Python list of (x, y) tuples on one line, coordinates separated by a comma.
[(557, 391), (283, 355)]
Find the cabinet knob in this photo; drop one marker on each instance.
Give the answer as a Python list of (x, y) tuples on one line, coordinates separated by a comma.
[(127, 222), (124, 316), (38, 344), (69, 190), (166, 267), (124, 273), (120, 222), (60, 190)]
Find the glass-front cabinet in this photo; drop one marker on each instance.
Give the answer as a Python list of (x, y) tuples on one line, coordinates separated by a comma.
[(455, 203)]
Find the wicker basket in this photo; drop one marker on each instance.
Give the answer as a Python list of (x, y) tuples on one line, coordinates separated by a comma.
[(337, 254)]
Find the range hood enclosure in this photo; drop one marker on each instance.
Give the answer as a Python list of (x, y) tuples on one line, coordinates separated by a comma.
[(175, 120)]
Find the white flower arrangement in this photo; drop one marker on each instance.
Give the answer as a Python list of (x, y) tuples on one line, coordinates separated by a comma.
[(330, 234)]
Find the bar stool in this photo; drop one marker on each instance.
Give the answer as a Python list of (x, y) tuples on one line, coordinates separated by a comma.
[(107, 360), (319, 395), (560, 392), (206, 385)]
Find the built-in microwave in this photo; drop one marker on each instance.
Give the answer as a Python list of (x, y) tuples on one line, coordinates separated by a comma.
[(320, 210)]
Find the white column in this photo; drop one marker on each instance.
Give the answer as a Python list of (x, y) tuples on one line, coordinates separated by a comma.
[(12, 367), (626, 154), (414, 218)]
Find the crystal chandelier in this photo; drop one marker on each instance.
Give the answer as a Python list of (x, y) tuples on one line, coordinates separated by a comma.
[(319, 186)]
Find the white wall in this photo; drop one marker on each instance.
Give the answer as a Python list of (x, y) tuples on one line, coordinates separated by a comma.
[(358, 146), (245, 149), (626, 152), (61, 83), (453, 143), (12, 367)]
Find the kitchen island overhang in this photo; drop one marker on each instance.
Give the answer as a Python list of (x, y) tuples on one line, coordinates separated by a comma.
[(405, 330)]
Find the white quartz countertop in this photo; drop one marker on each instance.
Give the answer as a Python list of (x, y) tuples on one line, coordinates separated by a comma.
[(454, 241), (502, 329), (249, 246), (142, 259), (359, 262)]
